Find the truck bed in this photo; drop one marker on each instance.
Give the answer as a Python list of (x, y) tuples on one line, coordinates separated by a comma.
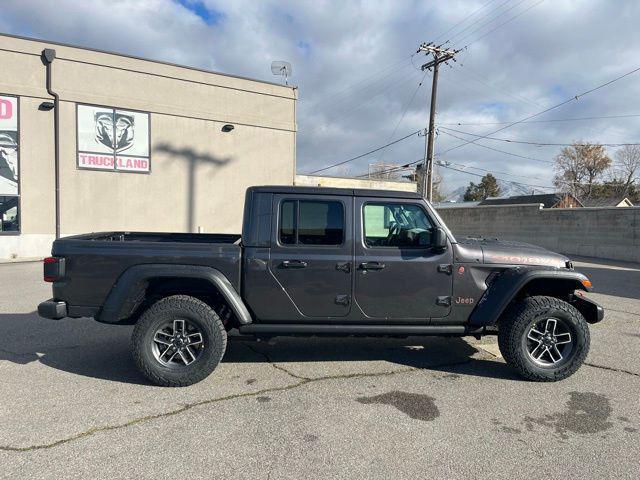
[(111, 253)]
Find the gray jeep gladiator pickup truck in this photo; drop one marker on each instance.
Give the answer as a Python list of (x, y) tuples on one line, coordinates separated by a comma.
[(322, 261)]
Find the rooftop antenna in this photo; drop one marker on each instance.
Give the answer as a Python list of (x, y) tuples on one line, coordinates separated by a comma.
[(280, 67)]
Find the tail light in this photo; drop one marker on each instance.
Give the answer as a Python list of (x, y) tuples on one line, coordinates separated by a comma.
[(53, 269)]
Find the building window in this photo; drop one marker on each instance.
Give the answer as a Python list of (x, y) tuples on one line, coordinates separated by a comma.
[(311, 223), (10, 221), (9, 165), (396, 225), (113, 139)]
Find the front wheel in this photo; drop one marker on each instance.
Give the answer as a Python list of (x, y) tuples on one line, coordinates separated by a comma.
[(544, 338), (178, 341)]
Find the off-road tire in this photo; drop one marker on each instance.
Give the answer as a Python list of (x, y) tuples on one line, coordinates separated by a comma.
[(521, 316), (195, 311)]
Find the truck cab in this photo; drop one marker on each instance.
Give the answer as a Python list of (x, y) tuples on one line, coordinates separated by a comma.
[(322, 256)]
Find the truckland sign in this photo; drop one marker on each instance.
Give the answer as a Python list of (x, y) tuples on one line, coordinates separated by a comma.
[(113, 139), (8, 145)]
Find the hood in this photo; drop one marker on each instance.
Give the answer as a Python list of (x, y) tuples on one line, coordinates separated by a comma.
[(496, 251)]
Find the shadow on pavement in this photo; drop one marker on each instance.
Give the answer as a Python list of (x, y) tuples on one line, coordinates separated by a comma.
[(430, 353), (78, 346), (87, 348)]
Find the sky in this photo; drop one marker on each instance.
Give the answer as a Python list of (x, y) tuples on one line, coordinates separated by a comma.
[(359, 77)]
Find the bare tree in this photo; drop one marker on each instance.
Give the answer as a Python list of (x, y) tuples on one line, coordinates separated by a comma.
[(627, 166), (438, 188), (384, 171), (579, 167)]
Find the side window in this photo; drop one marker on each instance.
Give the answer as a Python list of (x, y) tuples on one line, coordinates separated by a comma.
[(288, 215), (308, 222), (396, 225)]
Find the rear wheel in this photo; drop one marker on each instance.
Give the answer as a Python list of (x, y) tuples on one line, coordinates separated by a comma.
[(178, 341), (544, 338)]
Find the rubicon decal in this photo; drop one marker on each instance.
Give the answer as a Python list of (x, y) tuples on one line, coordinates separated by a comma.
[(517, 259)]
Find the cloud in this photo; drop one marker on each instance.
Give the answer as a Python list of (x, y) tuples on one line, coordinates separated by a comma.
[(352, 63)]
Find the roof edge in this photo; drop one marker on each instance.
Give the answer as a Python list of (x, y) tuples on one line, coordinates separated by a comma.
[(353, 192), (144, 59)]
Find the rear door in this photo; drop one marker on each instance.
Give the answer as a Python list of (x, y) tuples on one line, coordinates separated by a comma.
[(398, 275), (312, 254)]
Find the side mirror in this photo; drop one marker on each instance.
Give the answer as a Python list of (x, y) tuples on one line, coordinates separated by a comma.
[(438, 239)]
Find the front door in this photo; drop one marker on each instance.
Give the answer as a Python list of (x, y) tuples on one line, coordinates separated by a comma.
[(312, 257), (397, 274)]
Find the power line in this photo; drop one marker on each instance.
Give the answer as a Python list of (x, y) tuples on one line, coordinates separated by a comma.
[(404, 112), (478, 20), (503, 24), (503, 173), (540, 144), (364, 154), (395, 169), (391, 136), (478, 124), (443, 163), (497, 150), (487, 83), (576, 97), (344, 113), (365, 91), (366, 79), (460, 40), (498, 178), (464, 19)]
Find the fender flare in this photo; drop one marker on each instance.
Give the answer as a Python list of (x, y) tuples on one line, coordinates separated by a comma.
[(126, 293), (510, 282)]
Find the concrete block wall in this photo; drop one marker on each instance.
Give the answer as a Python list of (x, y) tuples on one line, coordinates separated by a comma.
[(605, 232)]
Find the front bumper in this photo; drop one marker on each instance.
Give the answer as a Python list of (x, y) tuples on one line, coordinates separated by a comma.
[(592, 311), (52, 309)]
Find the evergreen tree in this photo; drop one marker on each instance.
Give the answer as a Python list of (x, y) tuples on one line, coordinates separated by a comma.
[(488, 187)]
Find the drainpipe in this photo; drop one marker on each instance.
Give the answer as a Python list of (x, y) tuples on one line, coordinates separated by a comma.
[(48, 55)]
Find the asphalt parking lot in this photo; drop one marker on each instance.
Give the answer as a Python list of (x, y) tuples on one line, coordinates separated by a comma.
[(73, 405)]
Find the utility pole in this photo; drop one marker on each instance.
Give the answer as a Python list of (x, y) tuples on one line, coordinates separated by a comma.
[(440, 55)]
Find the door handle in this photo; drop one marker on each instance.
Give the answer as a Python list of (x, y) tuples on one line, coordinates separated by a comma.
[(294, 264), (372, 266)]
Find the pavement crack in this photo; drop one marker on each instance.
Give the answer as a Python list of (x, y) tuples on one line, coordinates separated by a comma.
[(136, 421), (301, 381), (275, 365), (289, 372), (147, 418), (612, 369)]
